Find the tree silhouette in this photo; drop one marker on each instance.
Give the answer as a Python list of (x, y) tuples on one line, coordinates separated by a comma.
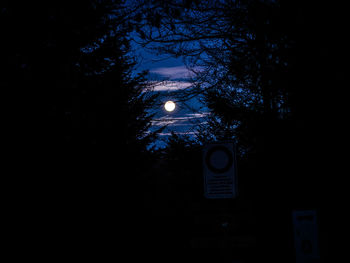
[(271, 73), (83, 127), (268, 72)]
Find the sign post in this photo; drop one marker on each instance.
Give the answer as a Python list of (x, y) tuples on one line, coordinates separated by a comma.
[(219, 171)]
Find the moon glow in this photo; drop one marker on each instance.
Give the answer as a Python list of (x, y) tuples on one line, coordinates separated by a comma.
[(169, 106)]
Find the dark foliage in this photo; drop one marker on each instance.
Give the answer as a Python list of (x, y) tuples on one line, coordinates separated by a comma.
[(272, 74), (79, 123)]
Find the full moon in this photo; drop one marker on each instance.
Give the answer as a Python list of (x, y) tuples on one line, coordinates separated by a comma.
[(169, 106)]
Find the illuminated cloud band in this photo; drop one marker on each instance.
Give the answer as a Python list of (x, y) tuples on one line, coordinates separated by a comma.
[(173, 73), (170, 85)]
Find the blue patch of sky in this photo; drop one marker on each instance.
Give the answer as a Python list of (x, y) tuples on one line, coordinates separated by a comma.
[(170, 77)]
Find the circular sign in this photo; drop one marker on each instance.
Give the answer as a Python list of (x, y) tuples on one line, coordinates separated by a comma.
[(219, 159)]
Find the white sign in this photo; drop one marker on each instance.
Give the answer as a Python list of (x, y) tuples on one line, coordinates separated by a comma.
[(305, 236), (219, 170)]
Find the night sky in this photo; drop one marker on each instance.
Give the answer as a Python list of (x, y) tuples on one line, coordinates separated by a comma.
[(173, 77)]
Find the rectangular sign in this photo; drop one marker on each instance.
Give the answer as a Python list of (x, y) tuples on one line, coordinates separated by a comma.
[(306, 236), (219, 170)]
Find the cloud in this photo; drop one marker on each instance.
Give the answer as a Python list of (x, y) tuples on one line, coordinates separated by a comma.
[(185, 120), (171, 85), (197, 115), (174, 121), (179, 133), (178, 72)]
